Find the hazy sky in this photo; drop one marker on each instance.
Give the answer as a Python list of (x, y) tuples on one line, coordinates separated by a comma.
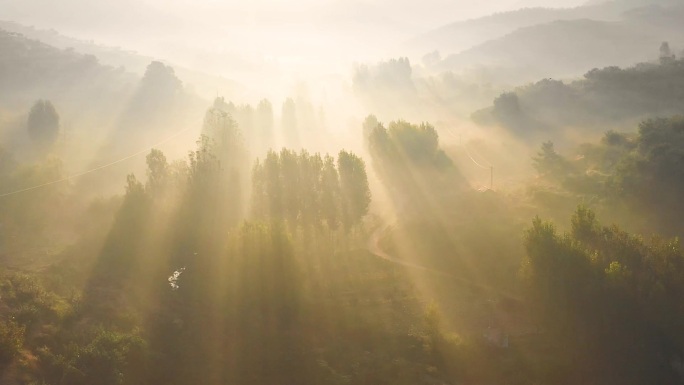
[(107, 13), (109, 17), (200, 31)]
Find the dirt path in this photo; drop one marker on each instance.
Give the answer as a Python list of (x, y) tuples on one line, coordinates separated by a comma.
[(375, 249)]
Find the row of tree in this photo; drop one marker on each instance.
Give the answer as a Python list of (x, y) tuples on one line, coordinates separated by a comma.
[(311, 190)]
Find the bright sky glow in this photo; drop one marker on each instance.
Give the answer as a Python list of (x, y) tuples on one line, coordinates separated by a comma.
[(224, 37)]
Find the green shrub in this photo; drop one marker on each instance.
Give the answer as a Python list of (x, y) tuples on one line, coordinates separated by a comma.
[(11, 342)]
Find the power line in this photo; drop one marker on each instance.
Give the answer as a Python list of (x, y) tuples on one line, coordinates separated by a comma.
[(490, 168), (97, 168), (449, 130), (479, 156), (473, 159)]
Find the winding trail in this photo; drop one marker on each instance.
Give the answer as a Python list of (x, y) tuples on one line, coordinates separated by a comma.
[(375, 249)]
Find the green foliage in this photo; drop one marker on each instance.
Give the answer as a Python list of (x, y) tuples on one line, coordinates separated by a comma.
[(214, 193), (33, 213), (369, 124), (110, 359), (243, 300), (222, 133), (609, 96), (43, 124), (507, 105), (268, 275), (308, 190), (157, 103), (157, 170), (433, 325), (56, 349), (403, 145), (119, 254), (11, 342), (640, 172), (159, 86), (610, 298), (205, 169), (410, 162), (549, 163), (105, 358), (354, 188), (416, 144), (330, 194), (508, 110), (27, 302)]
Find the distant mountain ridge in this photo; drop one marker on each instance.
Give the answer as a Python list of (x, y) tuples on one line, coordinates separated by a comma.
[(109, 109), (564, 48), (632, 3), (132, 61), (462, 35), (459, 36), (31, 69)]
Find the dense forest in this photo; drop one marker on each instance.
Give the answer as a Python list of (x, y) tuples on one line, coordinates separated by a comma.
[(408, 221)]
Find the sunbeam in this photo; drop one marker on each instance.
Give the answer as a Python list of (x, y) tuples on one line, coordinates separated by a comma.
[(325, 192)]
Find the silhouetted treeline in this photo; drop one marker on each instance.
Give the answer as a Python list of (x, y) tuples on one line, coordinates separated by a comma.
[(605, 98)]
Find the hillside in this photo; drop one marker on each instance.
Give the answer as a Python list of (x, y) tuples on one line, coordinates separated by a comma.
[(478, 42), (462, 35), (83, 90), (603, 99), (104, 112), (205, 84), (567, 48), (30, 68), (631, 3)]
